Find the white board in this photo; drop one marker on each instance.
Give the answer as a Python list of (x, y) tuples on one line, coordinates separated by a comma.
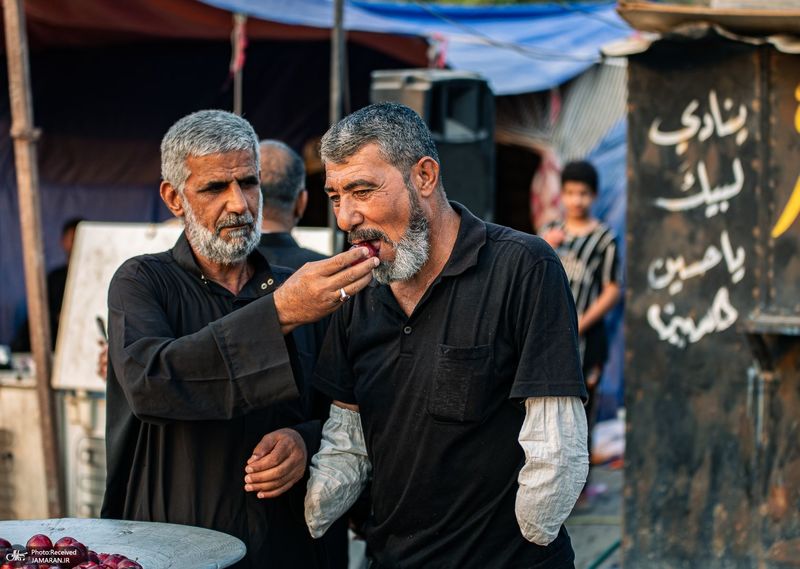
[(98, 251), (319, 239)]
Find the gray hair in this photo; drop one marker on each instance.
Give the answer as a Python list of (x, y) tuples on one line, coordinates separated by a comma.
[(402, 136), (283, 176), (200, 134)]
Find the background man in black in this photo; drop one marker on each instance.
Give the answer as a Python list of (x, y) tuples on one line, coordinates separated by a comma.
[(460, 360), (56, 284), (283, 185), (203, 343)]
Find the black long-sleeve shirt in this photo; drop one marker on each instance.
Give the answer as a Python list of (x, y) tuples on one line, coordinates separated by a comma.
[(197, 376)]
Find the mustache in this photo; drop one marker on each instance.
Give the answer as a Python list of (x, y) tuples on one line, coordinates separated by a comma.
[(232, 220), (368, 234)]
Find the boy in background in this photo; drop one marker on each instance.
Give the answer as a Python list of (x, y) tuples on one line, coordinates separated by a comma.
[(588, 251)]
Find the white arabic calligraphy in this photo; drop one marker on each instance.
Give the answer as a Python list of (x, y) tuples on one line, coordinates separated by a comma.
[(715, 200), (672, 272), (735, 264), (732, 125), (678, 138), (702, 128), (681, 330)]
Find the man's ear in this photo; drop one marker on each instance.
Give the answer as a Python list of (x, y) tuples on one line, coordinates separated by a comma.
[(171, 197), (426, 172), (300, 205)]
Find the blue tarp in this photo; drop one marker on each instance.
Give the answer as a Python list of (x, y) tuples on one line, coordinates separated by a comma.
[(609, 157), (518, 48)]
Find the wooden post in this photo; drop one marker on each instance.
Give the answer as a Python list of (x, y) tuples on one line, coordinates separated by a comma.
[(25, 135), (336, 91)]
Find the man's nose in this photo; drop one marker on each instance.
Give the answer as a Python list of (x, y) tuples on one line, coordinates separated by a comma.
[(348, 216), (237, 203)]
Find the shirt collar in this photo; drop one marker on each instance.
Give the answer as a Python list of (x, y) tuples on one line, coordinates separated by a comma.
[(183, 255), (471, 238), (279, 239)]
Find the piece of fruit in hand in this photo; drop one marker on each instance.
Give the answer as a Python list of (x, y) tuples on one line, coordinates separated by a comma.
[(373, 252)]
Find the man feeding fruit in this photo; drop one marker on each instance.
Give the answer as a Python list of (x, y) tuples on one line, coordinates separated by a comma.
[(204, 343)]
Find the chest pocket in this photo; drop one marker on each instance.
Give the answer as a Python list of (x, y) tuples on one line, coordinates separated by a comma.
[(461, 382)]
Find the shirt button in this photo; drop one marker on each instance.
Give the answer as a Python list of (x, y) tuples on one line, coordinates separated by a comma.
[(407, 330), (263, 286)]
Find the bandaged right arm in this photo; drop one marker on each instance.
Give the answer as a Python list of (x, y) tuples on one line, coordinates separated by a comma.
[(339, 471)]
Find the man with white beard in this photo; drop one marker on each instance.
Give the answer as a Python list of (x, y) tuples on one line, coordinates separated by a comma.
[(455, 375), (204, 371)]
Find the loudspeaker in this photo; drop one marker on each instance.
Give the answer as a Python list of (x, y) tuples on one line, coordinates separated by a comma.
[(458, 107)]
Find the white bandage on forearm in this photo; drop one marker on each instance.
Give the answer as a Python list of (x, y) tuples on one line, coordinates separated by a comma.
[(339, 471), (553, 437)]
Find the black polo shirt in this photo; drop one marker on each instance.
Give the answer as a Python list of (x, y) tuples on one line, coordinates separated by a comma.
[(440, 394)]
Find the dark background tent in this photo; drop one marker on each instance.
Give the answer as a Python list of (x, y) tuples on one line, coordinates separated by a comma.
[(109, 78)]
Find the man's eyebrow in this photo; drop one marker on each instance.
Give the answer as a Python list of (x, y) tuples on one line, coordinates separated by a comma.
[(359, 183), (214, 185), (354, 184), (250, 179)]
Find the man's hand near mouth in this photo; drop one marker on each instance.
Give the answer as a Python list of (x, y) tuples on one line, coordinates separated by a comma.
[(370, 246)]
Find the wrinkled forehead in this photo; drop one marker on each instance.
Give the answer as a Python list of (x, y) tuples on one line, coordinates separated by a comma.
[(224, 166), (367, 161), (235, 159)]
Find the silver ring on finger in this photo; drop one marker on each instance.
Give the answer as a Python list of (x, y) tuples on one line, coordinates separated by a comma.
[(343, 296)]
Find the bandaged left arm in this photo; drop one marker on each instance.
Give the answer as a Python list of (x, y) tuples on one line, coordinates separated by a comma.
[(553, 437)]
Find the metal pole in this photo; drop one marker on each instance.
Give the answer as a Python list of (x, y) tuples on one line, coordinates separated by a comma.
[(237, 92), (238, 42), (337, 75), (337, 54), (25, 135)]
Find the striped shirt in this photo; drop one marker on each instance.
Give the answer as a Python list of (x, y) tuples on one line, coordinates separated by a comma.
[(590, 262)]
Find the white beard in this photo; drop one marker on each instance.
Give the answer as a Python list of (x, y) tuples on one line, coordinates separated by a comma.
[(411, 252), (210, 244)]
